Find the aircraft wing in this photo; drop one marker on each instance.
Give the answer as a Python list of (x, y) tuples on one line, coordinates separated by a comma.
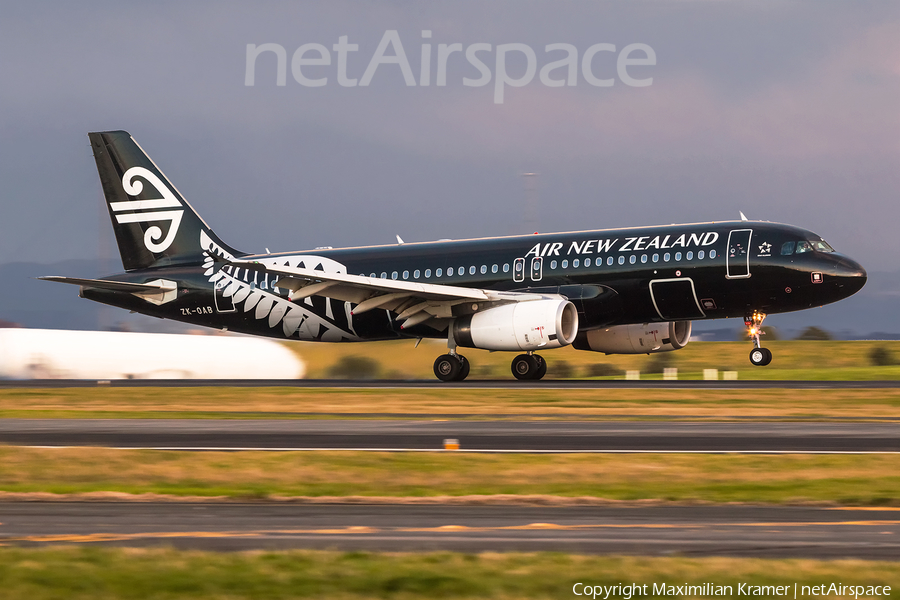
[(414, 302)]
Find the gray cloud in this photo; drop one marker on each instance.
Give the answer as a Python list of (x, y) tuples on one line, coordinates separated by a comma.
[(785, 110)]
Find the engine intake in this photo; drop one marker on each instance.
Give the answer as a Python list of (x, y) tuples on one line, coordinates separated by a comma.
[(525, 326), (641, 338)]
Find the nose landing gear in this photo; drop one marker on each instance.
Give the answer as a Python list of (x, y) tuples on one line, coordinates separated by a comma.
[(759, 356)]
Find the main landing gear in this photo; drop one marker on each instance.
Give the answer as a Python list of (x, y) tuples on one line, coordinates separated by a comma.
[(455, 367), (759, 356), (529, 366), (451, 367)]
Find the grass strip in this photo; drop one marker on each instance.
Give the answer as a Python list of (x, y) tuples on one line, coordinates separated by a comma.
[(825, 359), (840, 479), (224, 402), (106, 573)]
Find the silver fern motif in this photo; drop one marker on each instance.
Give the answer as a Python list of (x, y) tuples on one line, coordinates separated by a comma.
[(259, 299)]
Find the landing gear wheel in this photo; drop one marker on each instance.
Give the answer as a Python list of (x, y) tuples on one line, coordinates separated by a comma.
[(448, 367), (542, 369), (464, 367), (527, 366), (760, 356)]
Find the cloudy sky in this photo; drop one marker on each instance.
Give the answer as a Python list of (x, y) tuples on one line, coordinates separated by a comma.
[(786, 110)]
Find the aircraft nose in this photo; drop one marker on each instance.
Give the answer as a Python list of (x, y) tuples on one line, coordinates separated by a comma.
[(851, 274)]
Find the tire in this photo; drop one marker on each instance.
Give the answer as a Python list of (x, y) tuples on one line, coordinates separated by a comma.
[(464, 367), (542, 367), (447, 367), (525, 366), (760, 356)]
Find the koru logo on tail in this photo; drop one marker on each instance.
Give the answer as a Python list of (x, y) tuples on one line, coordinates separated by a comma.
[(148, 211)]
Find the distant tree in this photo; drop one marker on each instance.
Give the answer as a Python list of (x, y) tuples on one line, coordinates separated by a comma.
[(355, 367), (659, 361), (603, 370), (814, 333), (8, 324), (561, 369), (880, 356)]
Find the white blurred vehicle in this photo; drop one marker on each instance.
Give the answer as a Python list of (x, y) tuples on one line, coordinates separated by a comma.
[(63, 354)]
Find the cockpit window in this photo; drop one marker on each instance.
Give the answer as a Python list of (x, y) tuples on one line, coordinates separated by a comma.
[(822, 246), (787, 248), (804, 247)]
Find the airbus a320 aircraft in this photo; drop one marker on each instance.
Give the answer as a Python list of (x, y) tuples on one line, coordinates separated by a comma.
[(623, 291)]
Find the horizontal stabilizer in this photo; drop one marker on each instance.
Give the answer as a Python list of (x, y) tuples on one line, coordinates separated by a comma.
[(114, 286)]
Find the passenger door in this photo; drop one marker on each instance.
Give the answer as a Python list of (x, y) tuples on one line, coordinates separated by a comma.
[(737, 255)]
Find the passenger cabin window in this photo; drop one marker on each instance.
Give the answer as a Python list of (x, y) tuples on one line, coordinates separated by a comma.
[(462, 271), (506, 267), (427, 273), (787, 248), (609, 260), (416, 274), (439, 272), (483, 269), (576, 263), (565, 264), (494, 268), (405, 274), (621, 260), (552, 264)]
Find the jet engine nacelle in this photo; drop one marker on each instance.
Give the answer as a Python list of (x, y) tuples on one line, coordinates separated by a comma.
[(531, 325), (642, 338)]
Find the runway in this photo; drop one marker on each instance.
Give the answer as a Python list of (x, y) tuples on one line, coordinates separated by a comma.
[(657, 530), (472, 435), (501, 384)]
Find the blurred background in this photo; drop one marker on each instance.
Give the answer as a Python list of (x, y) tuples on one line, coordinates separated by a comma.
[(786, 111)]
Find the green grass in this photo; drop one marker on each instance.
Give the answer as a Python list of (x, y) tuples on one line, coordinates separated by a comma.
[(223, 402), (838, 479), (105, 573)]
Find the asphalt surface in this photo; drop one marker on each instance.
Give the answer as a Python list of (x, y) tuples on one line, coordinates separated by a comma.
[(472, 435), (471, 384), (739, 530)]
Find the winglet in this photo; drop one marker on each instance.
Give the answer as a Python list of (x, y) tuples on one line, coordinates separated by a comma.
[(400, 240), (743, 216)]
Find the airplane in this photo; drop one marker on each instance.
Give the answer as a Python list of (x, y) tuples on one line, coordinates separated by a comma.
[(618, 291)]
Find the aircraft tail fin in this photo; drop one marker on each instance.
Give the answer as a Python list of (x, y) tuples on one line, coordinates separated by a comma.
[(153, 223)]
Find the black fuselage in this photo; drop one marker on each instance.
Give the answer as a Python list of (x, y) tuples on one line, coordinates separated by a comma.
[(637, 275)]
